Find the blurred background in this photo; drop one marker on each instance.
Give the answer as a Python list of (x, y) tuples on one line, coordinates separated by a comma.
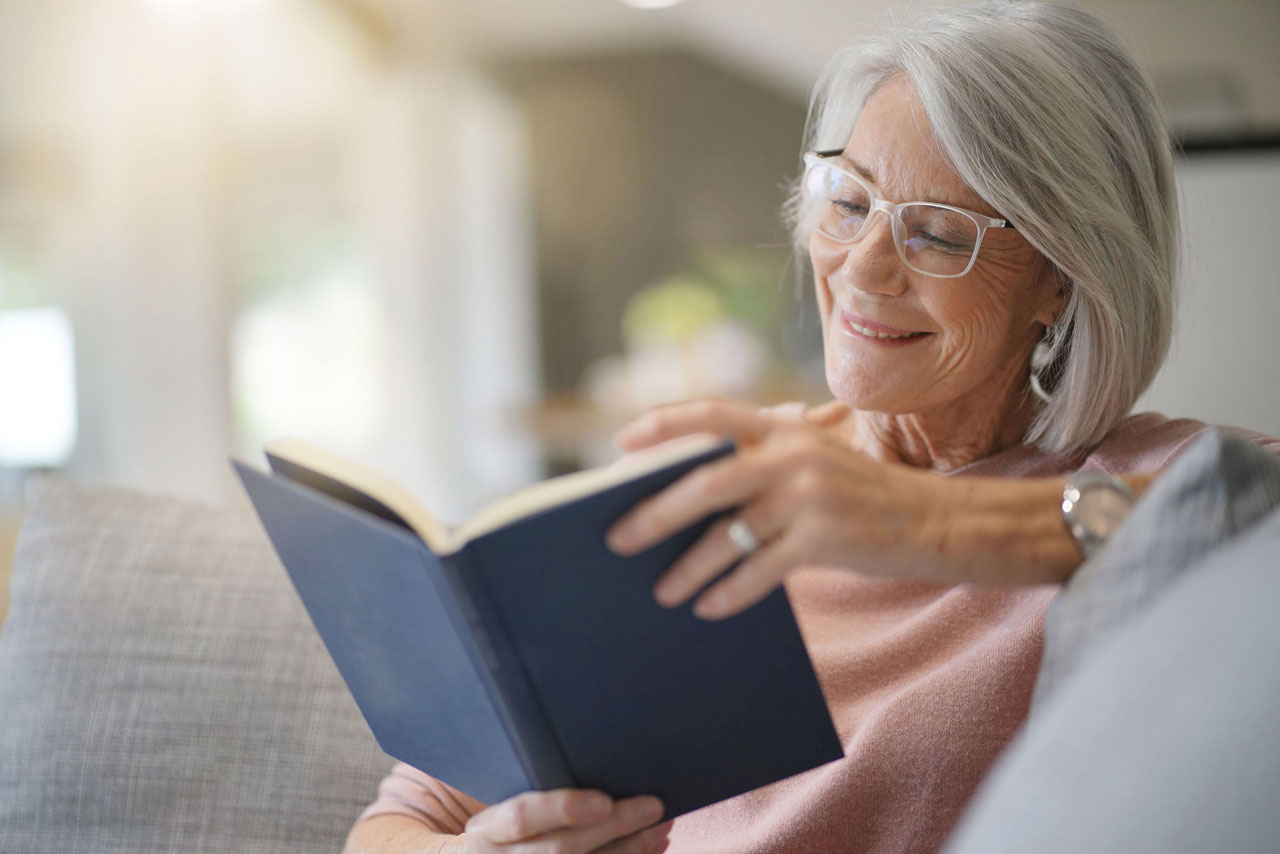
[(460, 242)]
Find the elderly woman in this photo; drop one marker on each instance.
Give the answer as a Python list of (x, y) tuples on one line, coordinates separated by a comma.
[(990, 212)]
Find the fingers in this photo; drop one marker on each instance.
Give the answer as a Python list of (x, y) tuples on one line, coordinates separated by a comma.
[(719, 485), (570, 821), (722, 417), (827, 414), (650, 841), (708, 557), (752, 580), (630, 817), (781, 481), (535, 813)]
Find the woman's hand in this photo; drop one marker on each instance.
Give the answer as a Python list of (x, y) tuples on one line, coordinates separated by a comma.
[(807, 497), (566, 821)]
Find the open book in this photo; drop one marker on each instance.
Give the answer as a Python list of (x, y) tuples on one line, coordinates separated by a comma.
[(517, 652), (306, 463)]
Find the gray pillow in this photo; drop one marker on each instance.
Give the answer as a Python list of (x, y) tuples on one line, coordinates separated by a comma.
[(1163, 738), (1218, 488), (162, 689)]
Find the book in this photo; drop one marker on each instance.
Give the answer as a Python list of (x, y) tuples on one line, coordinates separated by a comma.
[(517, 652)]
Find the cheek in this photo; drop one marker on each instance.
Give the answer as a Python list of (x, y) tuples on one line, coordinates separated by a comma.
[(826, 263), (982, 326), (826, 255), (969, 321)]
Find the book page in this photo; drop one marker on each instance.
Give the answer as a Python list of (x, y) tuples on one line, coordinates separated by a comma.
[(373, 484), (517, 505), (568, 487)]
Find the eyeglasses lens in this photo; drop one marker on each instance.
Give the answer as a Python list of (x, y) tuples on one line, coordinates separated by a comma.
[(936, 240), (840, 204), (932, 239)]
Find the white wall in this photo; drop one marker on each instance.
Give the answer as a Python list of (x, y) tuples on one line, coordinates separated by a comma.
[(1223, 365), (143, 255), (439, 194)]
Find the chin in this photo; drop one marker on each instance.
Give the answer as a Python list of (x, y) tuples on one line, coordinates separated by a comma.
[(851, 385)]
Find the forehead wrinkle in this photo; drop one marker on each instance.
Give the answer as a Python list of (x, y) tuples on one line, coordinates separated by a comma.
[(902, 185), (941, 184)]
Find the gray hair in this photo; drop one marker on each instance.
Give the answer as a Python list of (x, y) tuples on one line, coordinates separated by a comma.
[(1047, 116)]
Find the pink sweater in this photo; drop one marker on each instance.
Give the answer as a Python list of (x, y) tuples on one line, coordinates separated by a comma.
[(926, 684)]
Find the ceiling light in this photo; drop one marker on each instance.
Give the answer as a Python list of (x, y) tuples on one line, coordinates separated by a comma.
[(651, 4)]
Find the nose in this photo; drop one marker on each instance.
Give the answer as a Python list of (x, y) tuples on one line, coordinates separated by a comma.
[(871, 264)]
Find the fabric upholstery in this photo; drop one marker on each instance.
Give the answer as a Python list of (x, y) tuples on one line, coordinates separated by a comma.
[(162, 689), (1160, 734), (1219, 487)]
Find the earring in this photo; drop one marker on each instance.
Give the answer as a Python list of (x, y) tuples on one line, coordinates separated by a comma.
[(1042, 357)]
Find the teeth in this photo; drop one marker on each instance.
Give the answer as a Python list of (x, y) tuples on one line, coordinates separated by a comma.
[(871, 333)]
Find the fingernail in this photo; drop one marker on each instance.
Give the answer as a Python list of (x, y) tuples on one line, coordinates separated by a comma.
[(666, 594), (652, 809), (620, 539), (595, 807), (631, 433), (710, 606)]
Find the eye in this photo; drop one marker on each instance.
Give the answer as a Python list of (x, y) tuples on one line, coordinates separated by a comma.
[(926, 240), (939, 229), (848, 208)]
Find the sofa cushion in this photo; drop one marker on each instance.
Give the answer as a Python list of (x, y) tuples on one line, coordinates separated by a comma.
[(1219, 487), (162, 689), (1160, 736)]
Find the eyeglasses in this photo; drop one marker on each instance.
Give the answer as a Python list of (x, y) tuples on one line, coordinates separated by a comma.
[(934, 239)]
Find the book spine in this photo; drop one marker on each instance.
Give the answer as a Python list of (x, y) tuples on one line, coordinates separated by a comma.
[(519, 709)]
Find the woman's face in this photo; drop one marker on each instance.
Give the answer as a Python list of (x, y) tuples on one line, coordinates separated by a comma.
[(978, 330)]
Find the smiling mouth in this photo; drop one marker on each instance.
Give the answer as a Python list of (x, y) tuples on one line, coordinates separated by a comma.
[(862, 327), (872, 333), (884, 335)]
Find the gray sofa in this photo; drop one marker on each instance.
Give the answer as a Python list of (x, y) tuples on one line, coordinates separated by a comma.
[(162, 690)]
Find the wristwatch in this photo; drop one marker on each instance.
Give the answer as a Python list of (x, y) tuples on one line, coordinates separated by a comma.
[(1093, 506)]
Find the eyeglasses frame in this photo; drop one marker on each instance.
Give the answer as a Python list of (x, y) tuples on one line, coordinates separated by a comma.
[(894, 213)]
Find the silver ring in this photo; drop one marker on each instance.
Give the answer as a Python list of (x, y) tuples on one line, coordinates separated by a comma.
[(741, 535)]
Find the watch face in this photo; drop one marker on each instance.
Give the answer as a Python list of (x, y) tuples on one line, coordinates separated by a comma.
[(1101, 509)]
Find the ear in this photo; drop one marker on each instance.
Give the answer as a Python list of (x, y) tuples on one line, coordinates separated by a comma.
[(1053, 290)]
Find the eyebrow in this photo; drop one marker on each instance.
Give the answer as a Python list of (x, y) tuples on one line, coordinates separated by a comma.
[(859, 168), (855, 165), (931, 195)]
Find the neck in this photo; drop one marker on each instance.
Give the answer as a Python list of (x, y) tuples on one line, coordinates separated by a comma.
[(943, 440)]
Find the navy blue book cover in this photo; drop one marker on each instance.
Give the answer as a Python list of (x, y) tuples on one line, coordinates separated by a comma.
[(535, 657)]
